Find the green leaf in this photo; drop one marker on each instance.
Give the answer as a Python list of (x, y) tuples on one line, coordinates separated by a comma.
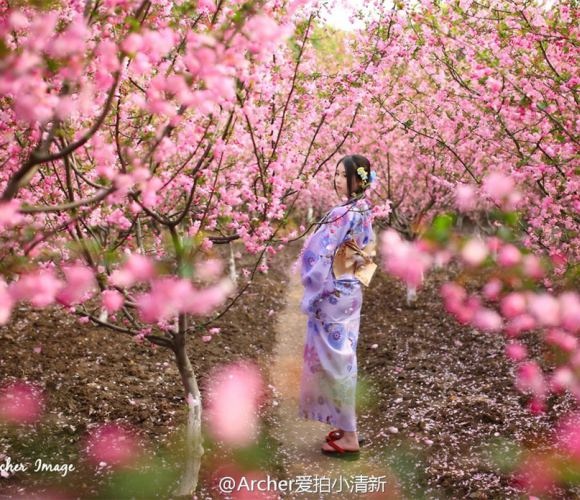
[(512, 218), (505, 233), (440, 229), (133, 22)]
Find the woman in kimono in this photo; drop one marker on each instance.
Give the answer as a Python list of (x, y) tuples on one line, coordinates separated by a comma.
[(333, 305)]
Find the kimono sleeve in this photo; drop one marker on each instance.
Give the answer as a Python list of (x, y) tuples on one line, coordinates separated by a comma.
[(316, 271)]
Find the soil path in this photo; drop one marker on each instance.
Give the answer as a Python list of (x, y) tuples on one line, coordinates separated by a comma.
[(301, 439)]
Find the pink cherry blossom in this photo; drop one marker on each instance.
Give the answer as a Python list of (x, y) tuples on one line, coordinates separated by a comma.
[(18, 20), (487, 320), (136, 268), (208, 5), (132, 43), (40, 288), (513, 305), (236, 386), (516, 351), (403, 259), (492, 289), (498, 186), (519, 324), (151, 192), (532, 266), (80, 284), (453, 292), (21, 403), (209, 269), (494, 85), (535, 474), (529, 378), (509, 255), (474, 252), (465, 198), (112, 444), (107, 53), (561, 339), (202, 302), (570, 311), (545, 308), (263, 28), (562, 379), (166, 299), (9, 215), (568, 435), (117, 218), (112, 300)]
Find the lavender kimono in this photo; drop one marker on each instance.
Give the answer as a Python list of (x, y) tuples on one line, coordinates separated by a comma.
[(333, 307)]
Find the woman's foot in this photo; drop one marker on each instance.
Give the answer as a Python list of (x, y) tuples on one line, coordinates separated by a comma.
[(348, 442), (362, 440)]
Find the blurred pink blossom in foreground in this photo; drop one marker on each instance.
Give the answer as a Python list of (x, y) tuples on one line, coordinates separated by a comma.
[(80, 283), (112, 444), (234, 393), (39, 287), (568, 435), (171, 296), (209, 269), (403, 259), (9, 215), (21, 403), (465, 198), (501, 189), (112, 300), (136, 268), (474, 252)]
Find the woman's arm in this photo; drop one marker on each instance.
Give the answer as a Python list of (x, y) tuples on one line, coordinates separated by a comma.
[(317, 257)]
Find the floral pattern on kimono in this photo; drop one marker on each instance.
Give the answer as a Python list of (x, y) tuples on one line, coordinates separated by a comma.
[(333, 307)]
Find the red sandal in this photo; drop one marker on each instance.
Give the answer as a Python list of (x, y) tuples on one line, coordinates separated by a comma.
[(340, 452)]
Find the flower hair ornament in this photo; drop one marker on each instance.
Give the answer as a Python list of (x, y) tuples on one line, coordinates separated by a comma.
[(364, 176)]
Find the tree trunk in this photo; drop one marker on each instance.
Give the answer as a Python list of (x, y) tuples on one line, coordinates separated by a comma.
[(233, 272), (264, 261), (193, 445), (411, 294), (309, 214)]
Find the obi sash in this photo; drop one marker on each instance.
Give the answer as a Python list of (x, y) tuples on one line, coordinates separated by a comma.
[(352, 260)]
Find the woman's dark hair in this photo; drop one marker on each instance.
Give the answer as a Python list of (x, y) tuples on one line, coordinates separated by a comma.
[(351, 164)]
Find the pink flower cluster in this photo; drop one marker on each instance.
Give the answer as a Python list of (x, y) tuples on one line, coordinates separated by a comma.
[(519, 312), (497, 187), (20, 403), (539, 473), (170, 296), (42, 288), (500, 307), (234, 393), (404, 259), (113, 445)]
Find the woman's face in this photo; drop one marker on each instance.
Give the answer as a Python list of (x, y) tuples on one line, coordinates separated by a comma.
[(340, 181)]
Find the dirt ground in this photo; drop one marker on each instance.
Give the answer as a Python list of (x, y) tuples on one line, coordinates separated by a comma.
[(432, 392)]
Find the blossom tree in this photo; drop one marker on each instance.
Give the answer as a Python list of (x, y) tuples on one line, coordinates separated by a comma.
[(136, 135)]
